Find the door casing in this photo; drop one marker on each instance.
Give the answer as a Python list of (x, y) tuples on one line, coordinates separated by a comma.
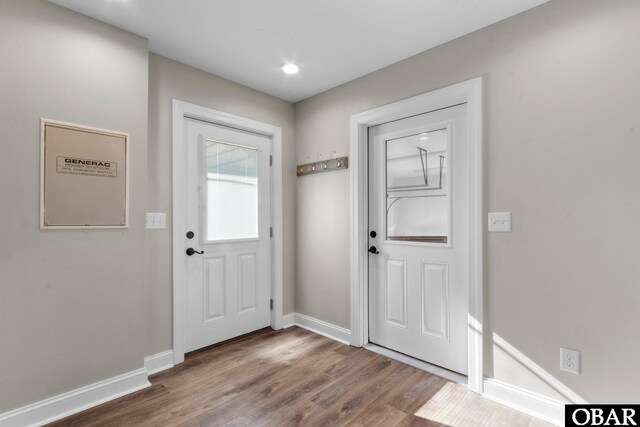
[(182, 110), (470, 92)]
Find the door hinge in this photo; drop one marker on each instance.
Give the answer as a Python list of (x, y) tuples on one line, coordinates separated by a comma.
[(270, 160), (270, 231), (271, 304)]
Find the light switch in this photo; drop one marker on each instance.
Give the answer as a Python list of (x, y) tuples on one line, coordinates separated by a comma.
[(156, 221), (500, 221)]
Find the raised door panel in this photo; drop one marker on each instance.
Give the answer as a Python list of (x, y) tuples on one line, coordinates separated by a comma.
[(396, 292), (214, 288), (247, 282), (435, 300)]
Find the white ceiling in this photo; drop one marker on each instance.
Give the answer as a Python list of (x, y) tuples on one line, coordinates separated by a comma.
[(333, 41)]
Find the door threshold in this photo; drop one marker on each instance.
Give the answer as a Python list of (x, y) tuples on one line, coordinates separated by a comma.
[(416, 363), (260, 331)]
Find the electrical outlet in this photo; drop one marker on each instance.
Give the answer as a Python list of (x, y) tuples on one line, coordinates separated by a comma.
[(570, 360)]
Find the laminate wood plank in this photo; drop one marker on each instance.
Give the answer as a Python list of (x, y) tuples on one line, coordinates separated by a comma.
[(204, 357), (301, 351), (298, 415), (296, 378), (330, 395), (246, 380), (413, 421), (287, 386), (310, 345), (413, 398), (455, 405), (356, 400), (213, 406), (302, 384), (357, 359), (102, 413), (233, 409), (140, 415), (194, 381), (221, 367), (274, 409), (240, 352), (394, 396), (380, 415)]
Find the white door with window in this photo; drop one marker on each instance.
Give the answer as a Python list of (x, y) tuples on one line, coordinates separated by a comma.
[(419, 236), (227, 273)]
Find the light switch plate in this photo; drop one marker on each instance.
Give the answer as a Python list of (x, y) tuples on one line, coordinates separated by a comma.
[(157, 221), (500, 221)]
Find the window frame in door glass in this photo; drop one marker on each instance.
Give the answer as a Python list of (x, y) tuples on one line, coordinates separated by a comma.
[(204, 193), (447, 186)]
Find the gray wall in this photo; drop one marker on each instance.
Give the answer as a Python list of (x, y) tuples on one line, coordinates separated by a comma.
[(71, 302), (168, 80), (562, 143), (77, 307)]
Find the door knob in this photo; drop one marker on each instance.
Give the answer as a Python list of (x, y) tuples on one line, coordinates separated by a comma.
[(373, 250), (192, 251)]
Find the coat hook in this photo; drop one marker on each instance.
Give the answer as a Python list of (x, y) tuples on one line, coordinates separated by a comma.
[(322, 164)]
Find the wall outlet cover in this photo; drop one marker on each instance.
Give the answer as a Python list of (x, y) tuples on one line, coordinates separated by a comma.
[(570, 360)]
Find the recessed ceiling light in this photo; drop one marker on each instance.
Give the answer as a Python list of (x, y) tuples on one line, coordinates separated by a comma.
[(290, 68), (424, 138)]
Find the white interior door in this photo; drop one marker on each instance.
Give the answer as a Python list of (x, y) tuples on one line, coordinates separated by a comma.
[(227, 234), (419, 236)]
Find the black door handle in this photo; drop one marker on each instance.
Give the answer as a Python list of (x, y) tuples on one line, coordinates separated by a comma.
[(192, 251), (373, 250)]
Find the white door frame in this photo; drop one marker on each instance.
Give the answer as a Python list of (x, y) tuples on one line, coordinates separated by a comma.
[(182, 110), (470, 92)]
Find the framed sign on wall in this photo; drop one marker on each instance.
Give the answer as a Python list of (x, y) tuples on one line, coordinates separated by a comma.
[(84, 177)]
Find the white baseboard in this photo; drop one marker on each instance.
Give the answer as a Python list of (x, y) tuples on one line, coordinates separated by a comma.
[(288, 320), (538, 406), (75, 401), (159, 362), (321, 327)]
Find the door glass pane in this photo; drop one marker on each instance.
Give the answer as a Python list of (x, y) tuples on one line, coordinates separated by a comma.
[(417, 187), (231, 191)]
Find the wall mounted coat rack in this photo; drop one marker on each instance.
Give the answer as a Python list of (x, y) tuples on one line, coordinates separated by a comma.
[(323, 166)]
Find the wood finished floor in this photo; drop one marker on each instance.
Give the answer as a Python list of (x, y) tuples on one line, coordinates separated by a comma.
[(295, 377)]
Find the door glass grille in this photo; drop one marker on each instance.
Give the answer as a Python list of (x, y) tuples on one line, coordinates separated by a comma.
[(417, 187), (231, 191)]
